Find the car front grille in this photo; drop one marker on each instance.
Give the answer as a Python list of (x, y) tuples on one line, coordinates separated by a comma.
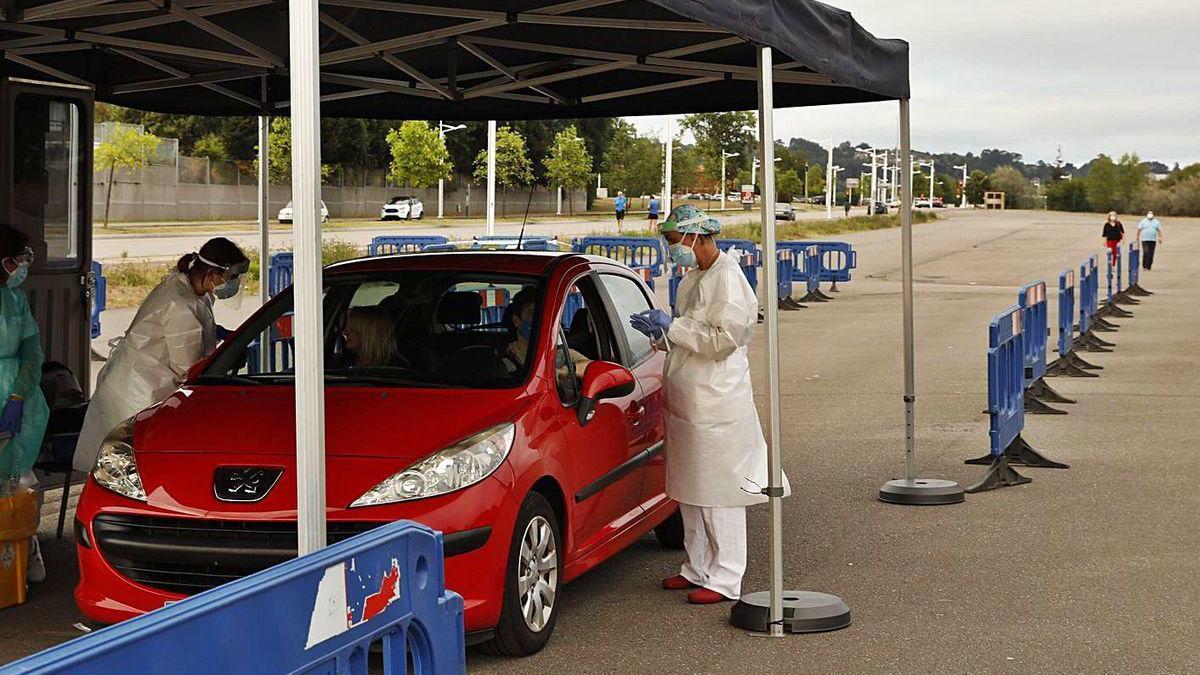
[(186, 555)]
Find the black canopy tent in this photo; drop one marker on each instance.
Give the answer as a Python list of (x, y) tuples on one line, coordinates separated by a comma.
[(470, 59)]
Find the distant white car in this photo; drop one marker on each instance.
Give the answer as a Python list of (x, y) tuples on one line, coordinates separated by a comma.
[(784, 211), (402, 208), (285, 214)]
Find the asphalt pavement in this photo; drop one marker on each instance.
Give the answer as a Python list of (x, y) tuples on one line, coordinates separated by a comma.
[(1093, 569)]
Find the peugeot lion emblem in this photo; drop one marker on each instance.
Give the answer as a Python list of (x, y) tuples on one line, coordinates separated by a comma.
[(244, 483)]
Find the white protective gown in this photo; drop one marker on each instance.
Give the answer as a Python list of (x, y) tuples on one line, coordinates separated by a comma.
[(715, 451), (173, 329)]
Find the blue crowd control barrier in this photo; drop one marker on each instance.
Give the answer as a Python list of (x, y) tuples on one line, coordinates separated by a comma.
[(837, 259), (633, 251), (647, 275), (1035, 327), (1096, 320), (673, 281), (1113, 274), (495, 303), (1135, 269), (402, 244), (810, 261), (279, 276), (1085, 298), (785, 264), (573, 304), (1122, 295), (1006, 406), (321, 613), (99, 300), (1068, 362)]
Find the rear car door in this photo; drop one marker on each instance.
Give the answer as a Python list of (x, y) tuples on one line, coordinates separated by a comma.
[(628, 296), (601, 455)]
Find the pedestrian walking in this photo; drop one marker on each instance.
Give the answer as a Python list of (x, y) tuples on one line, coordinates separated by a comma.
[(847, 207), (1150, 233), (716, 456), (620, 204), (1114, 234), (653, 215)]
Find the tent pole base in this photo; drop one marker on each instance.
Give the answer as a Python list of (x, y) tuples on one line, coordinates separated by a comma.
[(921, 492), (803, 612)]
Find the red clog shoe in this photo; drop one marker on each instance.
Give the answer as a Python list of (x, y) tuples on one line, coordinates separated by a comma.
[(677, 583), (703, 596)]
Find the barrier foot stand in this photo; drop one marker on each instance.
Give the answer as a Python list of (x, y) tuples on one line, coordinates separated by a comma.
[(815, 296), (789, 304), (1116, 312), (1090, 343), (1123, 298), (1042, 390), (1035, 406), (1066, 367), (999, 474), (820, 294), (1102, 325), (833, 287), (1022, 453), (1136, 289)]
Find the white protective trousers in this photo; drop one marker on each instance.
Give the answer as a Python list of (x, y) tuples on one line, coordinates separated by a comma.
[(715, 540)]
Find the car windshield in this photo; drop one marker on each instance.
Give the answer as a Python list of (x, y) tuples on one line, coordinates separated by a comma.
[(415, 328)]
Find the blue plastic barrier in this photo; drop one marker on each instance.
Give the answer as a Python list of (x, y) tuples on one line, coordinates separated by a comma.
[(279, 276), (836, 259), (647, 275), (1081, 298), (1120, 263), (785, 265), (573, 303), (1109, 296), (633, 251), (402, 244), (321, 613), (1066, 312), (495, 303), (1035, 318), (99, 296), (673, 281), (749, 257), (1006, 405), (1135, 262)]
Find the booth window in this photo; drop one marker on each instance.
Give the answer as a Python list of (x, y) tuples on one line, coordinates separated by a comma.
[(46, 156)]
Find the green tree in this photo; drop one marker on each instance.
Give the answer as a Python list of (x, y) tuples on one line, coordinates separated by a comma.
[(946, 187), (1016, 187), (568, 163), (816, 179), (127, 147), (788, 185), (1103, 184), (1067, 195), (633, 163), (279, 153), (718, 133), (513, 167), (212, 146), (977, 184), (419, 156)]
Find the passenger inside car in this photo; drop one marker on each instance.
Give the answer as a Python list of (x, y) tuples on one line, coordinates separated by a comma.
[(368, 335), (519, 320)]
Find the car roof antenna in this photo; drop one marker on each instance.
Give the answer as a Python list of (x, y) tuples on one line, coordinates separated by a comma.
[(526, 218)]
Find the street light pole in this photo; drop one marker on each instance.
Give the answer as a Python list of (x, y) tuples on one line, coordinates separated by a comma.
[(490, 227), (828, 181), (963, 168), (724, 188), (444, 129), (666, 200)]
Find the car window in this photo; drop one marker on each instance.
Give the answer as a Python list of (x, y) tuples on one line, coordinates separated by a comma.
[(627, 298), (566, 378), (414, 328)]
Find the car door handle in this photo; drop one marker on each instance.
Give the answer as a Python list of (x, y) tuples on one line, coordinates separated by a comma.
[(636, 414)]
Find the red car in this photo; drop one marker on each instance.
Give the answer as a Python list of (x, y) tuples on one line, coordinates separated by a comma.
[(538, 457)]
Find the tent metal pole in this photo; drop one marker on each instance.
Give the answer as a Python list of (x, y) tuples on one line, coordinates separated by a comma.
[(910, 424), (666, 199), (491, 178), (766, 151), (304, 24), (264, 235)]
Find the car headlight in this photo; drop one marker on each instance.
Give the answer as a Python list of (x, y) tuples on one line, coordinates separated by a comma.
[(116, 468), (458, 466)]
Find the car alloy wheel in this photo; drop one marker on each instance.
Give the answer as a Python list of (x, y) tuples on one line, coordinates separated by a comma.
[(537, 573)]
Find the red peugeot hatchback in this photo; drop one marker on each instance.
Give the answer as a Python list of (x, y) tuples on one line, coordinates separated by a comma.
[(515, 411)]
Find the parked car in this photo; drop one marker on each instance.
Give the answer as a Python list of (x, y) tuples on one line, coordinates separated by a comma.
[(881, 209), (285, 214), (939, 203), (784, 211), (536, 470), (402, 208), (921, 203), (819, 199)]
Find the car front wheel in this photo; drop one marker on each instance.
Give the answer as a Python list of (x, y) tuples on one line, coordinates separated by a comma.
[(531, 583)]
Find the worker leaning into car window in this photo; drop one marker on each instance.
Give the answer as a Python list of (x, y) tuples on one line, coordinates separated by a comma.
[(172, 331), (716, 456), (23, 410)]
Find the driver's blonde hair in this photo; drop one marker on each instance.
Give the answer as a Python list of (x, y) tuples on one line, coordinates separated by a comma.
[(374, 327)]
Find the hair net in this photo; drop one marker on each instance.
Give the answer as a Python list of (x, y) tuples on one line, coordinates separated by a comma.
[(688, 219)]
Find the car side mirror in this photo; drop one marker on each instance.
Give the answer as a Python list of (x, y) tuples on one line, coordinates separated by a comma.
[(602, 380)]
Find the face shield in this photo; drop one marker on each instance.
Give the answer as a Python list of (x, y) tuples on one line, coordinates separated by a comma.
[(229, 291)]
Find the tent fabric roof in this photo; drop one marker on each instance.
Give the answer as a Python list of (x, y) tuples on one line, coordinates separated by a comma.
[(455, 59)]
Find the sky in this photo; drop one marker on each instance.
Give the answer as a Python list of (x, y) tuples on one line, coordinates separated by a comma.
[(1029, 76)]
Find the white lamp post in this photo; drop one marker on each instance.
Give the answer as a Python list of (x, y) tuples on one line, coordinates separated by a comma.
[(963, 168), (490, 228), (444, 129), (666, 200), (724, 189)]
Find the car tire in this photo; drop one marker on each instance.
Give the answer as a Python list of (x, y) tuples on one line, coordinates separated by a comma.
[(515, 634), (670, 531)]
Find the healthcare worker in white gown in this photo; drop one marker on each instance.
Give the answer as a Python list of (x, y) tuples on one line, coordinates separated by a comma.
[(172, 331), (716, 455)]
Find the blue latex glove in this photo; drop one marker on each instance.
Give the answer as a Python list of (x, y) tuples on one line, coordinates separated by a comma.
[(222, 332), (10, 416), (656, 322)]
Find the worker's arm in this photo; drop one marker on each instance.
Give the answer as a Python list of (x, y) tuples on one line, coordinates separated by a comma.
[(728, 323), (185, 339), (29, 372)]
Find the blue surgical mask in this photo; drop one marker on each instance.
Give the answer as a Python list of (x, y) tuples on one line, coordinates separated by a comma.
[(682, 255), (525, 329), (18, 276)]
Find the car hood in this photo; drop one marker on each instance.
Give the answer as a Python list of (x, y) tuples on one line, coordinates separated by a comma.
[(394, 423)]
